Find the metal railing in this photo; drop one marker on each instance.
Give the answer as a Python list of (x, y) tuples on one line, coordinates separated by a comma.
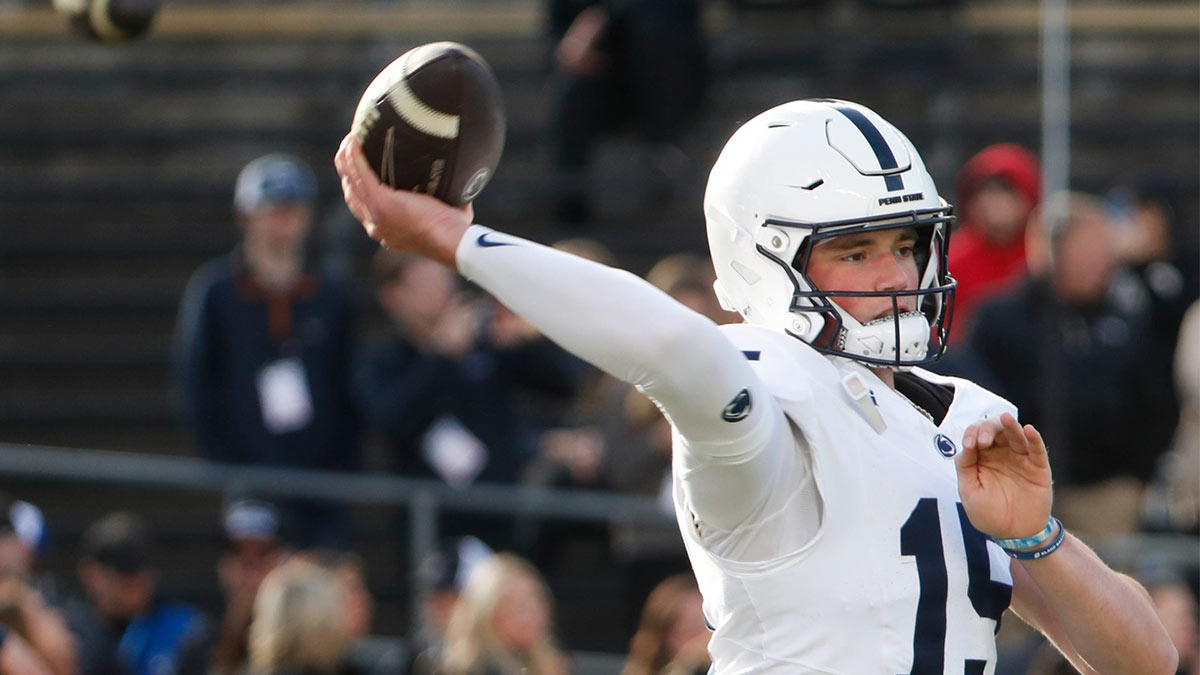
[(424, 499)]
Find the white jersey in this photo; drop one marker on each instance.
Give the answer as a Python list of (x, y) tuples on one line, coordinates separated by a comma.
[(895, 580), (820, 544)]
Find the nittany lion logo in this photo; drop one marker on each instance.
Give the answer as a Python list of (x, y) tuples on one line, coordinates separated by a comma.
[(475, 185), (739, 408), (944, 445)]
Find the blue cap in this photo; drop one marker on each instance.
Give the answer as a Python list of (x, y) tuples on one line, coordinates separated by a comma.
[(251, 519), (272, 180)]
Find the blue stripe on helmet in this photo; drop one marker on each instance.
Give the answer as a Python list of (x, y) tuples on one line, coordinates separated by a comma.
[(880, 147)]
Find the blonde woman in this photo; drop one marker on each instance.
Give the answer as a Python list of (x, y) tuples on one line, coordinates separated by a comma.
[(502, 623), (299, 624)]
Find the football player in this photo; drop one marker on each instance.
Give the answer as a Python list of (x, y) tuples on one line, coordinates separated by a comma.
[(844, 510)]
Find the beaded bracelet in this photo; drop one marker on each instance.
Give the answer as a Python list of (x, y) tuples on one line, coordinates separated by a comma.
[(1039, 538)]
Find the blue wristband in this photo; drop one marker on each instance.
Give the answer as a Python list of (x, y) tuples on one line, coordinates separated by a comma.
[(1041, 552), (1029, 542)]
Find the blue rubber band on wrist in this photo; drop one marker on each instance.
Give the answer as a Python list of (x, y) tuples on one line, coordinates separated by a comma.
[(1045, 550), (1029, 542)]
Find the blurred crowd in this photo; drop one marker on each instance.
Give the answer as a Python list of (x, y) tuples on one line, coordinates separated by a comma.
[(1085, 316), (291, 610)]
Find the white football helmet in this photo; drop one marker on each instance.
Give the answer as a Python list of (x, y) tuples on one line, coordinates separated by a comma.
[(811, 170)]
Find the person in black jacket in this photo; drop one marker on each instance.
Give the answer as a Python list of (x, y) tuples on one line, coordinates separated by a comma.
[(263, 346), (122, 624), (459, 389), (457, 386), (1075, 360)]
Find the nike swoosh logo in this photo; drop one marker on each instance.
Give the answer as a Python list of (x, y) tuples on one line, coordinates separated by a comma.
[(488, 243)]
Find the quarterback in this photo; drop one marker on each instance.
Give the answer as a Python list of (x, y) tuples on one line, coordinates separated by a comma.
[(844, 510)]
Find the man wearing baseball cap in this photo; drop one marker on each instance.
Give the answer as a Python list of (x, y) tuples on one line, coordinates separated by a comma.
[(254, 545), (263, 344), (29, 611), (124, 625)]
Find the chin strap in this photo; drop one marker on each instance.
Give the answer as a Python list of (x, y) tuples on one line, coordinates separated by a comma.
[(877, 339)]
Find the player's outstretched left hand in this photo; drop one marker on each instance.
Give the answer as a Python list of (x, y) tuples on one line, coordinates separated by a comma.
[(400, 220), (1004, 477)]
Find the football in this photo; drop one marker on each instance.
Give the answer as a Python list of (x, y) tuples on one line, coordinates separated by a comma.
[(109, 20), (432, 121)]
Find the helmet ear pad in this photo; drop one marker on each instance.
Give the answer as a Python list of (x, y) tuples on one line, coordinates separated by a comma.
[(823, 315), (800, 319), (723, 297)]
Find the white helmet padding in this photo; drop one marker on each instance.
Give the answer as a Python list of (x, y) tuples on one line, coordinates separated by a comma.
[(811, 170)]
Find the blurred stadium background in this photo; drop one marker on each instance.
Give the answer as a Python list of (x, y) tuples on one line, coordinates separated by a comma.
[(117, 166)]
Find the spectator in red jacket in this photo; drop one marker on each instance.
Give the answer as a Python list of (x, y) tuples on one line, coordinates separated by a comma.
[(995, 191)]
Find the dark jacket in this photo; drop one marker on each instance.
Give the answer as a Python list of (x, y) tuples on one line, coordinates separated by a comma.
[(229, 329), (152, 643), (492, 392), (1083, 377)]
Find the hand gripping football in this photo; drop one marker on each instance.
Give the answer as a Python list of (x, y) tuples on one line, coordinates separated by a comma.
[(433, 121)]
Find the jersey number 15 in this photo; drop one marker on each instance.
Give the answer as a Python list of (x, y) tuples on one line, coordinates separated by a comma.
[(921, 537)]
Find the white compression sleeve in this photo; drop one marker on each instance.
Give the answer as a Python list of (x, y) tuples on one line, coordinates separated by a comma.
[(626, 327)]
